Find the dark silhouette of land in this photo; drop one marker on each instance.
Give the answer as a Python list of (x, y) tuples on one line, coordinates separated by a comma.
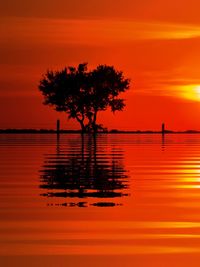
[(112, 131)]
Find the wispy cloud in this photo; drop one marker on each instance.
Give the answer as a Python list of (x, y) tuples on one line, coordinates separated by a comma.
[(154, 67), (99, 32)]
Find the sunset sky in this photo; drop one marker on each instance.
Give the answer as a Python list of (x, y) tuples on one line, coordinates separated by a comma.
[(156, 43)]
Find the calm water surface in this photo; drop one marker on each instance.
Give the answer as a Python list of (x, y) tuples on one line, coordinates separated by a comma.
[(113, 200)]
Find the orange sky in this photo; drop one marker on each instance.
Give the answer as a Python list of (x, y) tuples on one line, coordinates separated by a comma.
[(156, 43)]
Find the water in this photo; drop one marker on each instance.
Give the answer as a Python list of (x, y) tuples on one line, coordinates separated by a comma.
[(113, 200)]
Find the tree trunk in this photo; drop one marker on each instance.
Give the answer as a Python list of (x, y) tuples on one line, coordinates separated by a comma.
[(83, 129), (81, 121)]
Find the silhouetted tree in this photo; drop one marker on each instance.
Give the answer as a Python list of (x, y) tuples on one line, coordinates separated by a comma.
[(82, 93)]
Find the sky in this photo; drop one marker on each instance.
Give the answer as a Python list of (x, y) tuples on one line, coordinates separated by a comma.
[(155, 43)]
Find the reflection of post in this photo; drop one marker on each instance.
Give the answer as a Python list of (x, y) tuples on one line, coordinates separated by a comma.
[(58, 146), (163, 142), (163, 128), (58, 128)]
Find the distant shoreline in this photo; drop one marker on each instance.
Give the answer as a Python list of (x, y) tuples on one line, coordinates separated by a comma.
[(50, 131)]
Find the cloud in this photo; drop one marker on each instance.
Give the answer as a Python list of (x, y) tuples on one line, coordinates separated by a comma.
[(90, 32), (153, 53)]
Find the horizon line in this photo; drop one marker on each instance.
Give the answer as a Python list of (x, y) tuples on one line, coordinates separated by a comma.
[(43, 130)]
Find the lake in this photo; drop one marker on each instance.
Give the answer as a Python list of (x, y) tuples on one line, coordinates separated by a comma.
[(113, 200)]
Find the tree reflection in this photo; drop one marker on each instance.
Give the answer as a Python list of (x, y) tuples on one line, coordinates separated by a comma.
[(87, 170)]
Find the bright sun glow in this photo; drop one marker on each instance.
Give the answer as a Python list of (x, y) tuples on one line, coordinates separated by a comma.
[(191, 92), (197, 88)]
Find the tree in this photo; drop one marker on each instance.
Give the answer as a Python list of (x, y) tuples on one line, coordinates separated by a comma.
[(82, 93)]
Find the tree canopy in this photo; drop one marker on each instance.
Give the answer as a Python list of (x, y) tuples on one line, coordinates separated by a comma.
[(82, 93)]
